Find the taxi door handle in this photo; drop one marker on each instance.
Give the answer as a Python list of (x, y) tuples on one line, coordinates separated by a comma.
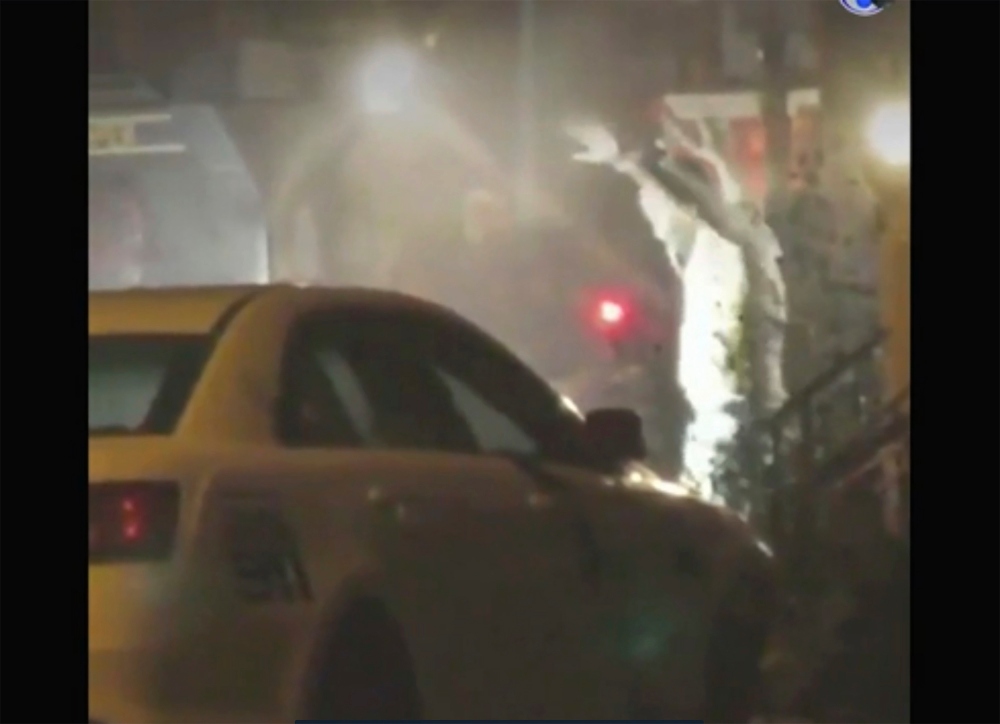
[(406, 508), (378, 498), (400, 506), (540, 502)]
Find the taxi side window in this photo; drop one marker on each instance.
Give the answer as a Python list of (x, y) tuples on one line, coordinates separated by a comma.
[(313, 410), (506, 405), (375, 389), (376, 379), (348, 389), (412, 408), (495, 432)]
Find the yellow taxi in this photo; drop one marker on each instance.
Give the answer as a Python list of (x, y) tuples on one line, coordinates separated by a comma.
[(353, 504)]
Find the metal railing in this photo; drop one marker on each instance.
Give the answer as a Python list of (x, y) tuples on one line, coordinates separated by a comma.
[(832, 430), (818, 421)]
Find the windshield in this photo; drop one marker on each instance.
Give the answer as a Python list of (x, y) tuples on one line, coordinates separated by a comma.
[(141, 384)]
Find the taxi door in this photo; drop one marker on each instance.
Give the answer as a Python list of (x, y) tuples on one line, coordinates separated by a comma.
[(655, 592), (484, 567), (481, 563), (507, 410)]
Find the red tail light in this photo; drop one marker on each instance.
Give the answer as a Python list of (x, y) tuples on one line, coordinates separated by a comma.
[(133, 521)]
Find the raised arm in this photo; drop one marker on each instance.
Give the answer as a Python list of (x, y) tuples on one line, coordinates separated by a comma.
[(601, 148)]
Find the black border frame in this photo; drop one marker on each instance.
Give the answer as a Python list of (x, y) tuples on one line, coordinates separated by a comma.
[(44, 524), (956, 238)]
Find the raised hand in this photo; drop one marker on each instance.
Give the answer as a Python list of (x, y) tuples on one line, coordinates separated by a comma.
[(673, 136), (600, 146)]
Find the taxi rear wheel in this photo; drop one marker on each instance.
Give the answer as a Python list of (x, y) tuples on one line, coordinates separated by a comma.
[(367, 673), (734, 683)]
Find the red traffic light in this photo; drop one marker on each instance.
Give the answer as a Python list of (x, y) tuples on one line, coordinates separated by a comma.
[(610, 315), (610, 312)]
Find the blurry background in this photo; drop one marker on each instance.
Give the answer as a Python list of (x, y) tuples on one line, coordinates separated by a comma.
[(342, 191)]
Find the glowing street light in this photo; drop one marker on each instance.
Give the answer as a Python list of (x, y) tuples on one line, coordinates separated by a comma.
[(888, 133), (387, 80)]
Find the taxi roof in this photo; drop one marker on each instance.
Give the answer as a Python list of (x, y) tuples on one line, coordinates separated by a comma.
[(194, 310), (198, 310)]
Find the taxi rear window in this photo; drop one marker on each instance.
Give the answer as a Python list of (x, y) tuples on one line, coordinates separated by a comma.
[(140, 385)]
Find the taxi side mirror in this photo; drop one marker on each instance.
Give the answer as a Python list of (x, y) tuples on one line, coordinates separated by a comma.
[(615, 436)]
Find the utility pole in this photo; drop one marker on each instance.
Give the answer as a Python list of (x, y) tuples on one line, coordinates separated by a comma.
[(773, 38)]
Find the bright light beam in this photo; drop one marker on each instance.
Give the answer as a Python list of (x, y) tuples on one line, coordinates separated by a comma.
[(888, 133), (387, 81)]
